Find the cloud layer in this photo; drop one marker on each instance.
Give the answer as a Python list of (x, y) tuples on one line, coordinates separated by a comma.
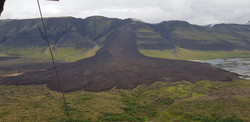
[(153, 11)]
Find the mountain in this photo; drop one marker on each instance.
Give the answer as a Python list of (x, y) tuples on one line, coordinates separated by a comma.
[(248, 23), (67, 31), (92, 31), (119, 64)]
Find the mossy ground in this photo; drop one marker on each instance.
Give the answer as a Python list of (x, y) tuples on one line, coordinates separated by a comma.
[(179, 101)]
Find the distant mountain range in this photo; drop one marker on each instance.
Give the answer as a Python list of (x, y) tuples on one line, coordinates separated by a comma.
[(92, 31)]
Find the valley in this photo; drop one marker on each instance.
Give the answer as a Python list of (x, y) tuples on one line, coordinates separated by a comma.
[(201, 99)]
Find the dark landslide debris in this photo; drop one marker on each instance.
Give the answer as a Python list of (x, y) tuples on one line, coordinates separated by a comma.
[(120, 65)]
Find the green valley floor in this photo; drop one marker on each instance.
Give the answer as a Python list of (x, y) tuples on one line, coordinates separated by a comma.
[(159, 102)]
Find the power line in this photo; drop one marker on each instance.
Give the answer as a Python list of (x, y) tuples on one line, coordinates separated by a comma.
[(95, 28), (53, 60)]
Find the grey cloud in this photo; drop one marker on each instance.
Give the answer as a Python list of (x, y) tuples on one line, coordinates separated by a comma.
[(153, 11)]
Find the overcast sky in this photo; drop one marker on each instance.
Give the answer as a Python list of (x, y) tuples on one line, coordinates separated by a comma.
[(200, 12)]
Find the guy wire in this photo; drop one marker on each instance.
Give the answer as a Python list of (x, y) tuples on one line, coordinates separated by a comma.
[(53, 60)]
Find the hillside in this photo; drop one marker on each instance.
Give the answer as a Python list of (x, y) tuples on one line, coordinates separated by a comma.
[(85, 34), (118, 64)]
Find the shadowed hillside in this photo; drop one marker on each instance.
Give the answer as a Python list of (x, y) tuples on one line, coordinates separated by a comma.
[(92, 31), (119, 64)]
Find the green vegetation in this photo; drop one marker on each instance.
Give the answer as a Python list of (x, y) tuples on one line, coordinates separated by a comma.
[(210, 36), (21, 51), (72, 54), (193, 34), (2, 114), (85, 54), (184, 54), (179, 101), (68, 54)]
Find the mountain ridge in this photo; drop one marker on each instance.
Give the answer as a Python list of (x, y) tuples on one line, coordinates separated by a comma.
[(92, 31)]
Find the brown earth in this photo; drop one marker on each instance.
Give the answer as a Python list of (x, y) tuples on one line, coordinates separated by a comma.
[(119, 64)]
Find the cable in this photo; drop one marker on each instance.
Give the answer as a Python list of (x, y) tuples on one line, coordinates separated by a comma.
[(95, 29), (53, 60)]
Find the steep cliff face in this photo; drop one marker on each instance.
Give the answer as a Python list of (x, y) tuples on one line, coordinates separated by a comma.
[(63, 32), (119, 64)]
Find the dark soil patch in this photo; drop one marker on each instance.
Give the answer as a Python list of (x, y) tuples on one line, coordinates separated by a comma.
[(8, 58)]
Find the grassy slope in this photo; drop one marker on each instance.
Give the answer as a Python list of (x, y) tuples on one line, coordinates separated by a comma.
[(184, 54), (180, 101), (68, 54), (211, 35), (71, 54)]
